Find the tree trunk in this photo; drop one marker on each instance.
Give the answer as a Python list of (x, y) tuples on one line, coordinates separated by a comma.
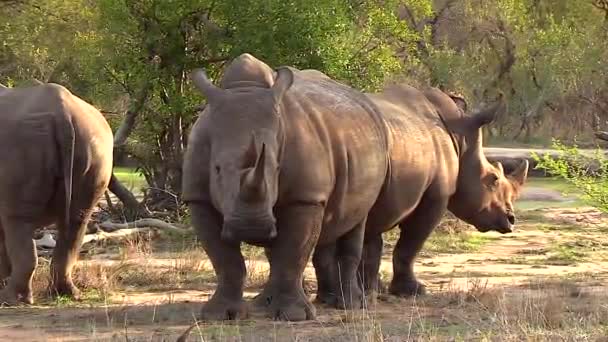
[(133, 209)]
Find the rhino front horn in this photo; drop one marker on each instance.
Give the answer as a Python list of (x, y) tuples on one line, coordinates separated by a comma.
[(253, 184)]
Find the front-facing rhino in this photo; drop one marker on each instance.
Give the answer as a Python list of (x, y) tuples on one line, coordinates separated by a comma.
[(285, 160), (436, 164)]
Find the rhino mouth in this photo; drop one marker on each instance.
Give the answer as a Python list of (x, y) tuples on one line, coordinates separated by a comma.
[(502, 226), (249, 231)]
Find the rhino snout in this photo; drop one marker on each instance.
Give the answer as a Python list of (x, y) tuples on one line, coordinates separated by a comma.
[(249, 230)]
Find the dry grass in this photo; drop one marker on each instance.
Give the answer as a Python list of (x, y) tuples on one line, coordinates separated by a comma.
[(558, 308)]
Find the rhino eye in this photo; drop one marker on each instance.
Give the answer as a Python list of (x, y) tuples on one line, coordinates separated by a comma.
[(217, 169)]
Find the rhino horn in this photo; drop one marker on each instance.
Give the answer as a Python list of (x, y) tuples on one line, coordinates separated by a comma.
[(2, 86), (202, 83), (487, 115), (520, 174), (253, 185), (251, 154), (282, 84)]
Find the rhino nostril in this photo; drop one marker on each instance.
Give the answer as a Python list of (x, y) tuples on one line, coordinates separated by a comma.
[(511, 218)]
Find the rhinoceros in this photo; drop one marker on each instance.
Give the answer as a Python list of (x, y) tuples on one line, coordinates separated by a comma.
[(285, 160), (436, 164), (55, 164)]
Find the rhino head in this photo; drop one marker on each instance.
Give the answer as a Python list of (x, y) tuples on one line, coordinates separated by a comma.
[(245, 139), (484, 193)]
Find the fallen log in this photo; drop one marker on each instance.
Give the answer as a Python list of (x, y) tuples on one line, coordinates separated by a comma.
[(602, 135), (116, 231), (117, 235), (511, 157), (145, 222)]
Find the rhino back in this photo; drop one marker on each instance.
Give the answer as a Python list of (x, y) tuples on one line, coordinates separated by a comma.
[(27, 120), (336, 150), (422, 156)]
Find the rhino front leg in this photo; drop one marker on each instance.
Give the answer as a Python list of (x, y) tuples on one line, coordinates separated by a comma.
[(414, 231), (227, 302), (350, 246), (299, 227), (261, 299), (325, 261), (21, 252), (5, 263)]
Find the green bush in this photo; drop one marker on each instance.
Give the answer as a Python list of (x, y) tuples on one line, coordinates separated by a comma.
[(587, 172)]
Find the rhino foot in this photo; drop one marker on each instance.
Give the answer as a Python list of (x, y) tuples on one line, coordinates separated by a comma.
[(260, 301), (327, 298), (67, 289), (221, 309), (294, 311), (8, 297), (351, 299), (407, 288), (370, 298)]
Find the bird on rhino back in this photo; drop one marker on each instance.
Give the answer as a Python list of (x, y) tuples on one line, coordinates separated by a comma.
[(59, 164)]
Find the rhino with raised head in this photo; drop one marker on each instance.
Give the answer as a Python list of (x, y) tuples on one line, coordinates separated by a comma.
[(436, 164), (56, 163), (286, 160)]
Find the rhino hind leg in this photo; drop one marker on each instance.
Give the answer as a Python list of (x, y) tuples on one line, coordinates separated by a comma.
[(299, 227), (21, 253), (227, 301), (350, 247), (69, 239), (415, 229), (325, 261), (65, 255), (369, 267)]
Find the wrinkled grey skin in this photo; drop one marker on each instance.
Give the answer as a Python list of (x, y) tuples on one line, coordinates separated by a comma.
[(284, 160), (58, 165), (428, 175)]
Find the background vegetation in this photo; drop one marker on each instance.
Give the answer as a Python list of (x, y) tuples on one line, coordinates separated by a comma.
[(131, 59)]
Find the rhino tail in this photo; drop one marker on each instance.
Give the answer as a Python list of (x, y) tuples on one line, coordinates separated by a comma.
[(66, 137)]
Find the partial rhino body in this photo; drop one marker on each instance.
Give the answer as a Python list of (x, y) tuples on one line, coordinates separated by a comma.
[(55, 164), (286, 160), (436, 163)]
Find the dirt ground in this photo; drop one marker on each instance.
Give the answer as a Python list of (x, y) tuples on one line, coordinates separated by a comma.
[(546, 281)]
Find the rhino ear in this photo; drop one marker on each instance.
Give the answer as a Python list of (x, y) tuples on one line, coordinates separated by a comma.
[(489, 114), (459, 100), (282, 83), (202, 83), (520, 174), (500, 168)]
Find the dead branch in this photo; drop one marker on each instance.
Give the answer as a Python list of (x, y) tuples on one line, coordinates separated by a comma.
[(116, 235), (601, 5), (146, 222), (602, 135), (116, 232)]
